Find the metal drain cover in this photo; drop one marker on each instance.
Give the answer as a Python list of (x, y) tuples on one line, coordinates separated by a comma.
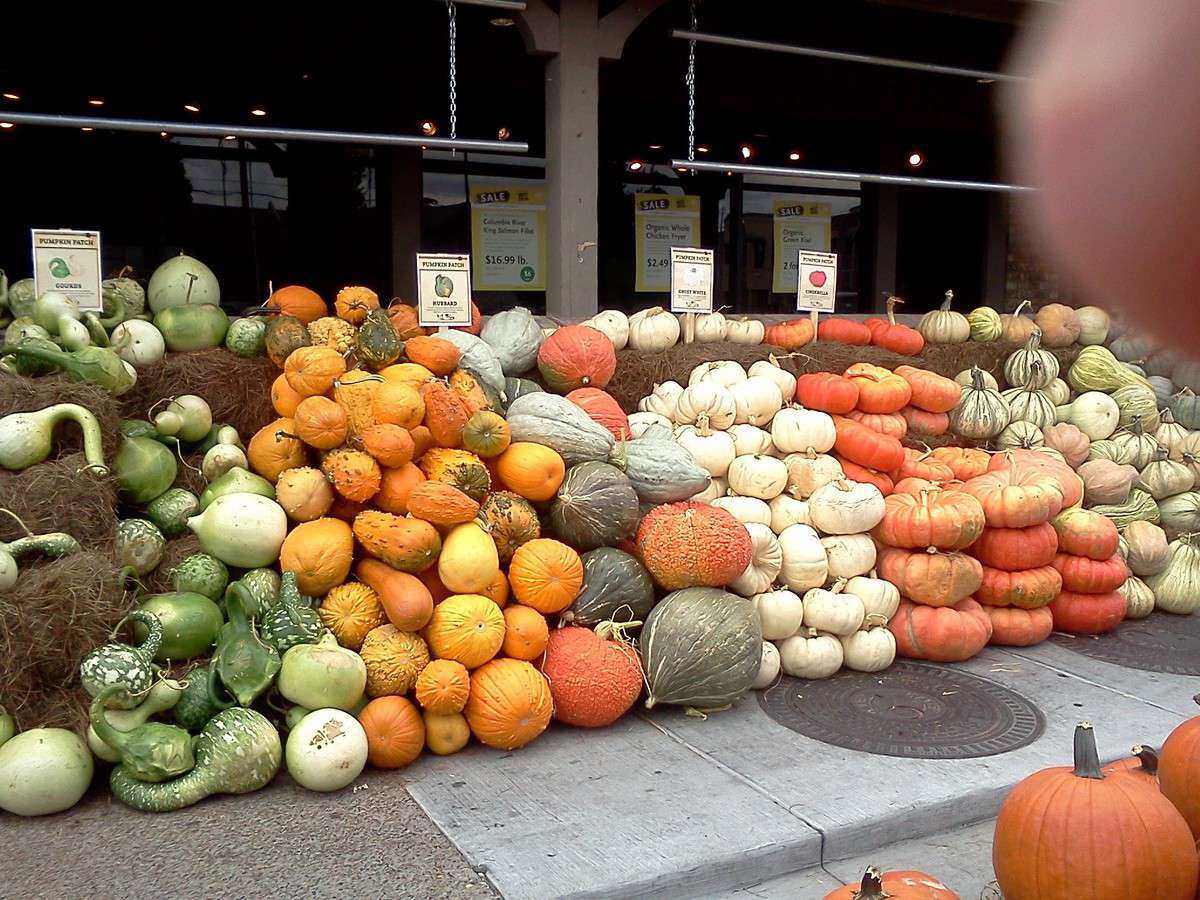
[(1160, 643), (915, 710)]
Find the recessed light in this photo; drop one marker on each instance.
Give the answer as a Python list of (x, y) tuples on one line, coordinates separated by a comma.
[(258, 112), (86, 128), (503, 134), (6, 125), (428, 127), (8, 96), (701, 148), (231, 137), (191, 107), (795, 156), (745, 151), (656, 146), (503, 22), (635, 166), (681, 168), (162, 134), (916, 159), (95, 101), (985, 80)]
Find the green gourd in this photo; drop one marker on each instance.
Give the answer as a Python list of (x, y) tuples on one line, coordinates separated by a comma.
[(191, 623), (196, 326), (236, 481), (262, 587), (203, 697), (378, 343), (55, 544), (131, 294), (246, 664), (8, 726), (247, 337), (139, 546), (203, 574), (28, 438), (237, 752), (98, 365), (171, 509), (153, 751), (124, 665), (616, 588), (162, 697), (144, 469), (292, 620)]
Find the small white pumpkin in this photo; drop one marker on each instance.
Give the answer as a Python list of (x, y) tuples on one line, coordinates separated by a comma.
[(614, 324), (871, 649), (745, 331), (848, 554), (640, 421), (746, 510), (326, 750), (710, 328), (662, 399), (1093, 412), (879, 597), (713, 451), (763, 477), (810, 654), (809, 471), (787, 510), (768, 667), (784, 380), (1025, 435), (766, 559), (653, 330), (805, 564), (717, 488), (798, 430), (780, 612), (945, 325), (989, 380), (724, 372), (833, 610), (1093, 325), (846, 507), (706, 404), (750, 440), (1058, 392), (757, 400)]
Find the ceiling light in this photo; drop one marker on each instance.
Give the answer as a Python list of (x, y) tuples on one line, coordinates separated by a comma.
[(191, 107), (231, 137), (728, 171), (162, 134), (985, 80), (8, 96), (258, 112), (681, 168), (635, 165), (702, 148), (6, 125), (503, 22), (428, 127), (503, 134), (86, 128), (795, 156), (656, 146), (95, 101), (916, 159), (745, 151)]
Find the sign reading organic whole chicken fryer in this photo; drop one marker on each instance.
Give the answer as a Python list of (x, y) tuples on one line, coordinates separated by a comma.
[(443, 289), (660, 222), (508, 238), (68, 262), (799, 225)]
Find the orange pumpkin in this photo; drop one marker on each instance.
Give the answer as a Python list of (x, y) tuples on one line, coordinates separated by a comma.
[(546, 575), (353, 303), (930, 391), (320, 423), (313, 370), (906, 884), (790, 335), (1016, 627), (389, 445), (892, 424), (940, 633), (880, 390), (283, 398), (868, 448), (436, 354), (468, 628), (964, 462), (497, 591), (603, 409), (576, 356), (525, 632), (397, 403), (486, 434), (395, 732), (470, 388), (1179, 771), (510, 704), (355, 392), (1142, 764), (922, 464), (405, 599), (344, 509), (930, 578), (351, 611), (1012, 549), (891, 335), (320, 553), (844, 331), (422, 441), (533, 471), (300, 302), (442, 504), (1030, 588), (446, 413), (443, 686), (396, 486), (275, 449), (405, 373), (827, 392), (409, 545), (354, 474), (404, 320)]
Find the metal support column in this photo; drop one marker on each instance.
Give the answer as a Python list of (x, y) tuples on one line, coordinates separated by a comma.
[(886, 231), (995, 266)]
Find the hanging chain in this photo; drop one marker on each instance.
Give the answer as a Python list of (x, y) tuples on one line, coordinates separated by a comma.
[(691, 86), (450, 9)]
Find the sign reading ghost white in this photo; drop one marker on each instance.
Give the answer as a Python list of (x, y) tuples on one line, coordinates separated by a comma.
[(817, 288), (691, 280), (443, 289), (68, 262)]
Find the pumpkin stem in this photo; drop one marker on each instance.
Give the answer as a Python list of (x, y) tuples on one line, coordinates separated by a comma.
[(838, 586), (949, 297), (1020, 308), (977, 382), (1149, 758), (871, 886), (874, 620), (891, 309), (1087, 761)]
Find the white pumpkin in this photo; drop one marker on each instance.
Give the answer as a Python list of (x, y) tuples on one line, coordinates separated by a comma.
[(871, 649), (784, 380), (746, 510), (710, 328), (787, 510), (763, 477), (989, 380), (1093, 412), (724, 372), (614, 324), (848, 554), (768, 667), (717, 488), (1171, 435), (757, 400), (1093, 325), (846, 507), (1058, 391), (805, 564), (810, 654), (809, 471), (833, 610), (780, 612), (766, 559), (745, 331), (653, 330), (1163, 477), (640, 421), (750, 440), (662, 399), (798, 430), (712, 450), (326, 750), (707, 404), (879, 597)]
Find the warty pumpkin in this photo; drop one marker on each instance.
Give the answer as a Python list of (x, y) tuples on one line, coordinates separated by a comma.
[(394, 659), (409, 545), (313, 370), (931, 578), (351, 611), (320, 423), (531, 470), (354, 474), (510, 704), (891, 335), (947, 520), (467, 628), (468, 562), (525, 633), (395, 732), (1179, 771), (901, 885), (546, 575), (334, 334), (389, 445), (446, 413), (473, 390), (275, 449), (285, 334), (406, 601), (354, 392), (396, 486), (594, 679), (940, 634), (691, 544), (827, 392), (378, 344), (404, 319), (1016, 627), (397, 403), (305, 494), (510, 520), (1025, 588), (436, 354), (443, 686), (441, 504), (1012, 549), (353, 303), (1087, 613), (283, 399), (880, 390), (319, 553), (486, 434), (458, 468), (298, 302), (1091, 576)]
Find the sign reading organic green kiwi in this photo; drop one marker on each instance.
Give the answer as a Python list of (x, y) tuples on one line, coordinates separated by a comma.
[(443, 289), (68, 262)]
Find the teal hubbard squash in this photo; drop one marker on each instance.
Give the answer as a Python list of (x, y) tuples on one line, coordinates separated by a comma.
[(596, 506), (693, 544), (594, 678), (576, 356)]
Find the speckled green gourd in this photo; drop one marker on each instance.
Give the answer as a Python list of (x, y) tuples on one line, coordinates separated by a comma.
[(123, 664), (292, 620)]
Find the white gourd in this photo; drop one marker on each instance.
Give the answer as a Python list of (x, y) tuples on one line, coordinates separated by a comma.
[(944, 325), (805, 564), (1093, 325), (768, 667), (1093, 412), (757, 400), (1137, 445), (848, 555), (717, 488), (1139, 599), (787, 510), (745, 331), (763, 477), (810, 654), (614, 324), (662, 399), (724, 372), (1179, 514), (1031, 366), (766, 559), (653, 330), (809, 471), (1058, 392), (981, 412), (846, 507), (1029, 405), (780, 612), (1163, 477), (1177, 588), (879, 597), (871, 649), (833, 610), (640, 421), (988, 379), (770, 368), (710, 328), (798, 430), (750, 440), (746, 510), (1022, 434), (712, 450), (707, 404)]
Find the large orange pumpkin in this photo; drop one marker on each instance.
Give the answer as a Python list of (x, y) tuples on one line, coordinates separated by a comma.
[(894, 336), (844, 331), (948, 520), (880, 390), (525, 632), (320, 553), (576, 356), (1084, 532), (1012, 549), (1028, 462), (1179, 770), (275, 449), (395, 732), (443, 686), (436, 354), (405, 599), (1088, 613), (409, 545), (546, 575), (930, 578), (320, 423), (353, 303), (1091, 576), (692, 545), (827, 391), (1016, 627), (870, 449), (1069, 832), (300, 302), (510, 703), (1024, 588), (940, 633), (1013, 498), (467, 628), (1142, 764), (531, 470), (594, 680), (397, 403), (313, 370), (906, 884)]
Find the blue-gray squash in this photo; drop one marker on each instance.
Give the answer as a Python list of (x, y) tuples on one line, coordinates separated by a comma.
[(661, 470), (559, 424), (596, 506), (616, 588), (516, 337), (478, 358)]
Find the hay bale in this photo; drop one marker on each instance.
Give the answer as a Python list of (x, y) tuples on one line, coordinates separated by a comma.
[(19, 394), (60, 495), (57, 612)]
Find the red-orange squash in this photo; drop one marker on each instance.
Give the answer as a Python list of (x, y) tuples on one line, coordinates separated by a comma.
[(446, 413), (827, 392), (299, 302), (1084, 532), (546, 575), (880, 390), (594, 679), (603, 409), (510, 704), (395, 487), (964, 462), (1016, 627), (693, 544), (891, 335), (283, 399), (930, 391), (405, 599), (868, 448), (924, 423), (1025, 588), (436, 354), (409, 545), (930, 578), (441, 504), (404, 319), (354, 474), (320, 553), (844, 331), (940, 634), (1084, 575), (395, 732), (1012, 549), (576, 356), (1087, 613), (388, 445), (863, 475), (922, 464), (947, 520), (891, 424)]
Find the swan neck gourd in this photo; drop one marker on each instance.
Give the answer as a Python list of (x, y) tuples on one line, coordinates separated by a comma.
[(27, 438)]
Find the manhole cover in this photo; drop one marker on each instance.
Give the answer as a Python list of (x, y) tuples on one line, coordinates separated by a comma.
[(912, 709), (1160, 643)]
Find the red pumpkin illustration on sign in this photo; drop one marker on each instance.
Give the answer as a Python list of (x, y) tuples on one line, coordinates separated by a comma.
[(816, 279)]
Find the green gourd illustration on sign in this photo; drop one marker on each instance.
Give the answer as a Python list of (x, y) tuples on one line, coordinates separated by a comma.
[(59, 267), (443, 286)]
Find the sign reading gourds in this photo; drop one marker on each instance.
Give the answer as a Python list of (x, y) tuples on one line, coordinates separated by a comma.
[(660, 222), (508, 238), (68, 262)]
